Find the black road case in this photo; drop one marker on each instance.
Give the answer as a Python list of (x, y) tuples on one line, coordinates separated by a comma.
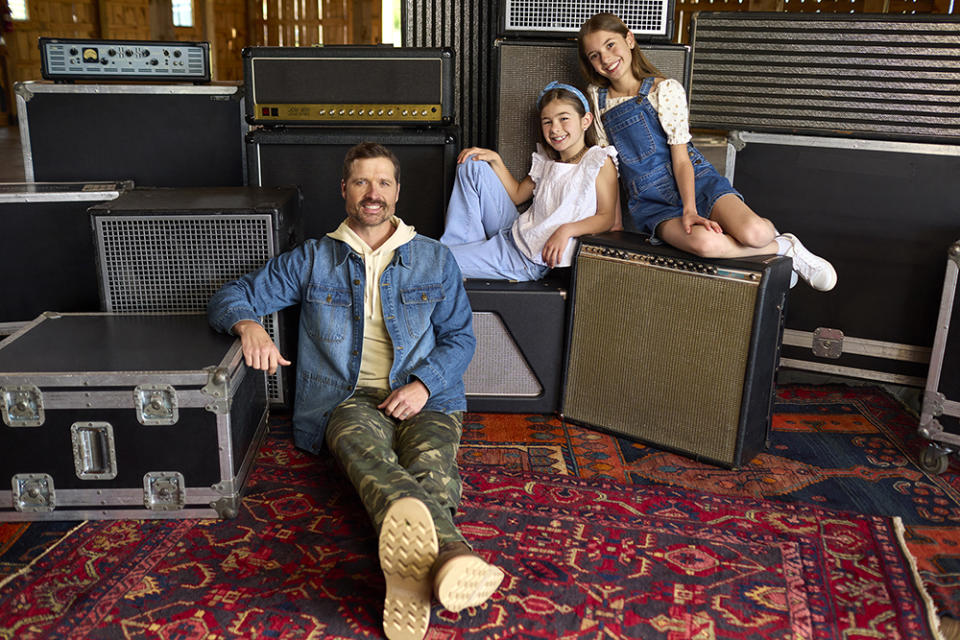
[(883, 212), (167, 135), (940, 416), (46, 248), (126, 416)]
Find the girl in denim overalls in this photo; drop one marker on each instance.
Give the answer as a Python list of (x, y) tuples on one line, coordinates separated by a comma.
[(673, 192)]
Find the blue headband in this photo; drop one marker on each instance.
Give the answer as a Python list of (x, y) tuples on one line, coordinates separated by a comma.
[(570, 88)]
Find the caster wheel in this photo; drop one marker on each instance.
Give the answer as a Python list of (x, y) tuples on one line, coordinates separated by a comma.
[(934, 459)]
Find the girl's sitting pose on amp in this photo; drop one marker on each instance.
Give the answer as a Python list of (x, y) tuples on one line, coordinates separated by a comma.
[(674, 193), (574, 189)]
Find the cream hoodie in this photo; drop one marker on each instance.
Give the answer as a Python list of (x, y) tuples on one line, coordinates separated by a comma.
[(377, 356)]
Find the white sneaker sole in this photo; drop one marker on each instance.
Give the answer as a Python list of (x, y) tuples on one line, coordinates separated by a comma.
[(408, 548), (466, 581)]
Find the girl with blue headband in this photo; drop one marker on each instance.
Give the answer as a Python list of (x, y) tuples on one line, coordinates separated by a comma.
[(675, 194), (573, 185)]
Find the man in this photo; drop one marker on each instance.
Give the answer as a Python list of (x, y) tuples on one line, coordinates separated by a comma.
[(385, 337)]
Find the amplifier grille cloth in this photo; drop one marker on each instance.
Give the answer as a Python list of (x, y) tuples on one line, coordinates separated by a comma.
[(873, 78), (176, 263), (642, 16), (498, 367), (659, 355), (526, 68)]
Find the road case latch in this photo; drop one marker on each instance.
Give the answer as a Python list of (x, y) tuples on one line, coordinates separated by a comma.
[(33, 492), (827, 343), (22, 406), (156, 404), (94, 451), (164, 490), (218, 388)]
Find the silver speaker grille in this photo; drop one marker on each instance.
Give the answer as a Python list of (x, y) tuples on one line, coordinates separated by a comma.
[(176, 263), (644, 17), (498, 367)]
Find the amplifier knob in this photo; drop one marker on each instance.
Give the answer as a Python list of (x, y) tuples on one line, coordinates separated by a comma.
[(380, 112), (154, 62), (166, 53), (74, 51), (342, 111), (112, 52), (390, 112), (103, 61), (177, 53)]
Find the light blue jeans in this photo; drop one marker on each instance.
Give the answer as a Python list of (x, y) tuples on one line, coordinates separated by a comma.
[(478, 229)]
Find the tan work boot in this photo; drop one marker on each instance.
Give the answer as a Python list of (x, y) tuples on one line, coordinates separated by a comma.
[(408, 549), (463, 579)]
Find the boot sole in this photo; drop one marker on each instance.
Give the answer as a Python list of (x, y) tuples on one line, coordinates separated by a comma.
[(466, 581), (408, 548)]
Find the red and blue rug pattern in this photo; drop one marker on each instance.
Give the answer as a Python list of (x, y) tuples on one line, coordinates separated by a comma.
[(583, 557), (840, 447)]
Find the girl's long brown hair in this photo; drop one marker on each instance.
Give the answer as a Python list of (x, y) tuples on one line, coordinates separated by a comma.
[(640, 66)]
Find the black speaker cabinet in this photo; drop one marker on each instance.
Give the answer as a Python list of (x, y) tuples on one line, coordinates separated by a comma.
[(349, 85), (46, 248), (155, 135), (524, 69), (170, 249), (673, 350), (520, 329), (647, 19), (312, 158)]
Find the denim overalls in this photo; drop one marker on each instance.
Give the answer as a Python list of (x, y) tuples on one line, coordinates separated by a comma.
[(646, 170)]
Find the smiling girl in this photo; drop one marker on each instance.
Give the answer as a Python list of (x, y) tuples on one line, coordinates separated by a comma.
[(574, 190), (673, 192)]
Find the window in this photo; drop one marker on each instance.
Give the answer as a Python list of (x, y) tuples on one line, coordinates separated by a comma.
[(182, 13), (18, 9)]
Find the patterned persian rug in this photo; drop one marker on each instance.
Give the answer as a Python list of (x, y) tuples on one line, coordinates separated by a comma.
[(584, 558), (841, 447)]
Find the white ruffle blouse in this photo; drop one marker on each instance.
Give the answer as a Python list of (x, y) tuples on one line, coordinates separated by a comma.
[(562, 193)]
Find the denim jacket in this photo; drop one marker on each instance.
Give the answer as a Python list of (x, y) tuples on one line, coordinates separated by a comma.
[(425, 308)]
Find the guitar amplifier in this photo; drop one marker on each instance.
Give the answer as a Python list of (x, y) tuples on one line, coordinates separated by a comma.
[(349, 85), (68, 59), (673, 350), (647, 19), (526, 66)]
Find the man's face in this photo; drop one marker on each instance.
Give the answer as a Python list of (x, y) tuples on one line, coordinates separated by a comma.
[(370, 192)]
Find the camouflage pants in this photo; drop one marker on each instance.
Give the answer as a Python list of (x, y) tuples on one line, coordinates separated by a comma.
[(387, 459)]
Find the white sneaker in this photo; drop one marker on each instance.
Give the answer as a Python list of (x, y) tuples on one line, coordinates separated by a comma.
[(818, 272)]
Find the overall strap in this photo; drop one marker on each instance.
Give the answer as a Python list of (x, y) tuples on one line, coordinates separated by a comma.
[(602, 99), (645, 86)]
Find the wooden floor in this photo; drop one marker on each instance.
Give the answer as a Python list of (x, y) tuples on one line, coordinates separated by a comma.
[(11, 155)]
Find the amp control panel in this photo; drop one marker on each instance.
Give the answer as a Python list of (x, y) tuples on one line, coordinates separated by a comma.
[(76, 59)]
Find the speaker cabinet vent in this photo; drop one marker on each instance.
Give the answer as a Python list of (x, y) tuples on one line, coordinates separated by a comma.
[(498, 368), (174, 264), (537, 17)]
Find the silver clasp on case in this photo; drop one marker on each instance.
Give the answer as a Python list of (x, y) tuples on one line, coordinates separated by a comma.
[(827, 343), (218, 387), (156, 404), (94, 451), (22, 406), (33, 492), (164, 490)]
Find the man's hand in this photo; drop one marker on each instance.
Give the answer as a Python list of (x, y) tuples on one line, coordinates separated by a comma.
[(259, 351), (406, 401)]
